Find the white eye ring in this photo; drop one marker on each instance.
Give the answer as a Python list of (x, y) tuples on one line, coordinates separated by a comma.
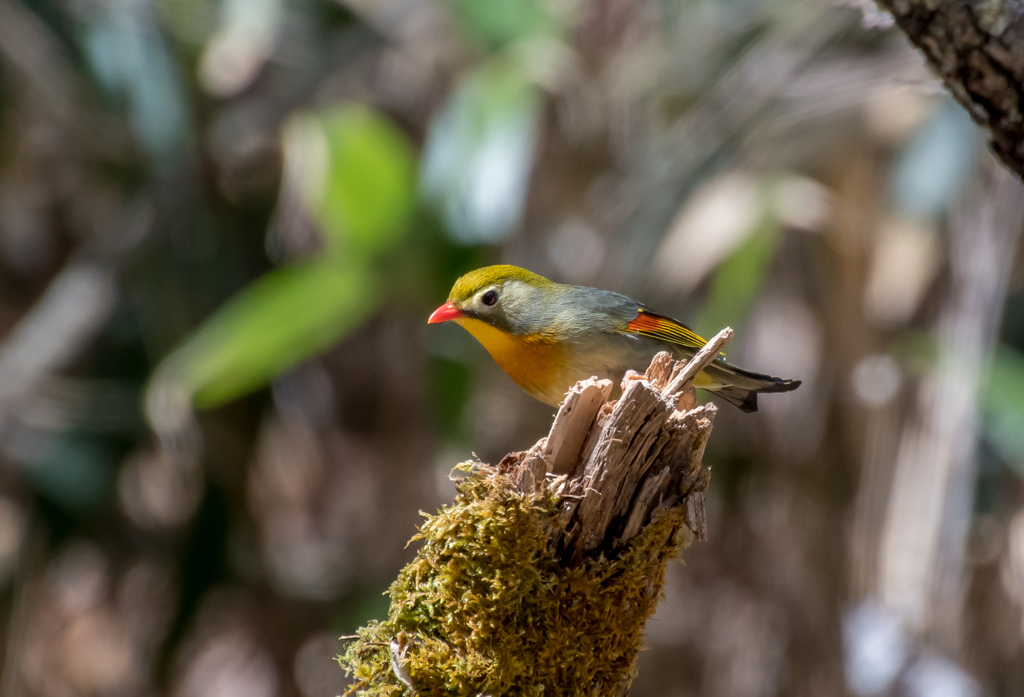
[(489, 298)]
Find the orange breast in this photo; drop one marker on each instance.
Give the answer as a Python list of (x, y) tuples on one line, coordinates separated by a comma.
[(534, 363)]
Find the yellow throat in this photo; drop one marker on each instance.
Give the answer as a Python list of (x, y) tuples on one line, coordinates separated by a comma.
[(533, 362)]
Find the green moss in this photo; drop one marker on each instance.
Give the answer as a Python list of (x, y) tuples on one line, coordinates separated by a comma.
[(487, 607)]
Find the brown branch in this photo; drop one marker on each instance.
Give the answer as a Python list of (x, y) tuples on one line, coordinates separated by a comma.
[(975, 48)]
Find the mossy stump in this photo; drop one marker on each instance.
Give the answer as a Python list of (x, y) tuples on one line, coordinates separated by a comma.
[(539, 578)]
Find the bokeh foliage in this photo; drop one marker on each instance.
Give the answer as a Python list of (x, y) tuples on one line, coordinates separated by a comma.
[(251, 207)]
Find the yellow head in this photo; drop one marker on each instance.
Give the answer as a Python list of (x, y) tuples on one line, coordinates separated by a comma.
[(508, 310), (506, 297)]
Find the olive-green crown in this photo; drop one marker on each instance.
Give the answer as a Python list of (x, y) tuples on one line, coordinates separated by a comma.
[(468, 285)]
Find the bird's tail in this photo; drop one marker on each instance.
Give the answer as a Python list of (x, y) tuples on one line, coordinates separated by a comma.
[(740, 387)]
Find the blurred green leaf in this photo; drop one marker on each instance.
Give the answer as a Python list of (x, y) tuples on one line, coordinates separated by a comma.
[(284, 317), (739, 279), (500, 22), (367, 198), (357, 176), (1004, 405), (479, 154)]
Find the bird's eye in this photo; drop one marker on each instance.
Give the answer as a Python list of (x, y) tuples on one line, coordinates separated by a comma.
[(489, 298)]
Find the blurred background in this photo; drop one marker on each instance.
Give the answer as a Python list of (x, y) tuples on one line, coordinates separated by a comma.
[(223, 224)]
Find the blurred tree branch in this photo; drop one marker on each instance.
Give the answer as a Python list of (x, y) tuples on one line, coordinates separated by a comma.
[(975, 49), (37, 55), (925, 534)]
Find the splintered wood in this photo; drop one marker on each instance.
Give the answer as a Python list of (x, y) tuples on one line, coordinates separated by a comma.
[(614, 465)]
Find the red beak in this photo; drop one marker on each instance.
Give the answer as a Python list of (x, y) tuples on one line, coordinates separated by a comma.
[(445, 313)]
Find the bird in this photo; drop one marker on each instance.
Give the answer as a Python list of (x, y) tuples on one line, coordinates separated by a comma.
[(547, 336)]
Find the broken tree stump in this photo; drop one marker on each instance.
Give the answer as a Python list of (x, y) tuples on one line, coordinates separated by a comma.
[(541, 575)]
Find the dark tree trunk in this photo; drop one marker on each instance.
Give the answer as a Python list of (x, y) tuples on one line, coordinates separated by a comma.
[(977, 49)]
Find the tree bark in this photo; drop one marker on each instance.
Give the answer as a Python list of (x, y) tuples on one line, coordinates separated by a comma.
[(977, 49), (540, 577)]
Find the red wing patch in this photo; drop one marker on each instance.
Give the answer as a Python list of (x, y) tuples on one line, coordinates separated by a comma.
[(663, 328)]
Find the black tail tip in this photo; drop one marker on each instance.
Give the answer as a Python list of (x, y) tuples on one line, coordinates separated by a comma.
[(746, 400), (781, 386)]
